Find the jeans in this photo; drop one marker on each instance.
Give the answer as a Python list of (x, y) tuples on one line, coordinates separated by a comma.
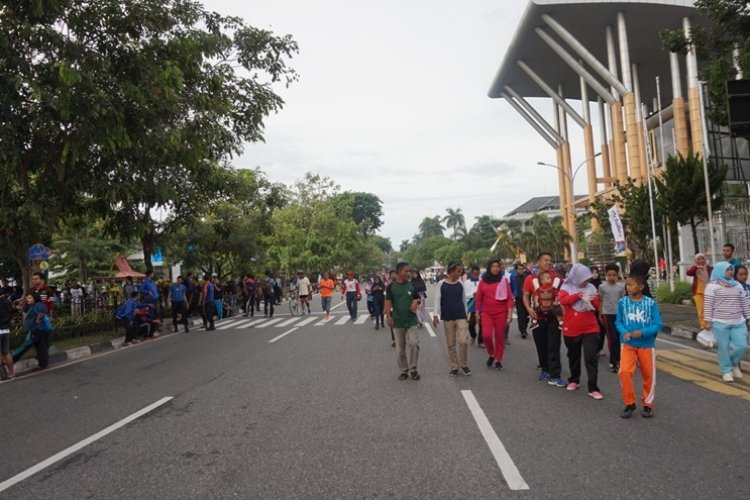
[(731, 344), (219, 308), (325, 304), (378, 304), (351, 303)]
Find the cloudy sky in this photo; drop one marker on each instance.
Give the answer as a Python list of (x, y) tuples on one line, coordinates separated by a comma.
[(392, 100)]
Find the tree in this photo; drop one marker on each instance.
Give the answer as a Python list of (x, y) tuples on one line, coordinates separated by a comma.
[(430, 226), (682, 191), (366, 210), (98, 96), (455, 220)]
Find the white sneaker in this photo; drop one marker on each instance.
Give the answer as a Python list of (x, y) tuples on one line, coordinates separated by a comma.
[(736, 372), (727, 377)]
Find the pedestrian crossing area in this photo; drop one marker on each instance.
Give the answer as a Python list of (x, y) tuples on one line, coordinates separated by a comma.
[(244, 323)]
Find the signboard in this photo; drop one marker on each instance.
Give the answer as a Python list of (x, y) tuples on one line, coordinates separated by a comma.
[(37, 252), (157, 258)]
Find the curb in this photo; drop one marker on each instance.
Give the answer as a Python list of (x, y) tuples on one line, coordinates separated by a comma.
[(77, 353)]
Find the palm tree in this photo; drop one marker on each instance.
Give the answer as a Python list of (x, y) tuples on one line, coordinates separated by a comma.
[(430, 226), (455, 220)]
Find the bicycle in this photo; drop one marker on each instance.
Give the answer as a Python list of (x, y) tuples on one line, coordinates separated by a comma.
[(295, 307)]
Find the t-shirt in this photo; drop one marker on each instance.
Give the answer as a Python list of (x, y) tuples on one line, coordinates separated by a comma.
[(177, 292), (401, 296), (149, 290), (528, 284), (208, 292), (449, 301), (303, 286), (611, 295), (470, 289), (326, 287), (350, 286)]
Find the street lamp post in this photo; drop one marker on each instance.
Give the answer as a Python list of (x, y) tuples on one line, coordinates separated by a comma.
[(571, 202)]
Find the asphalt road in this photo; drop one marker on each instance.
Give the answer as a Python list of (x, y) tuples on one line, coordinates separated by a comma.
[(319, 414)]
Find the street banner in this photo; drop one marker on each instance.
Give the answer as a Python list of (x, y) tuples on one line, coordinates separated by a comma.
[(617, 230)]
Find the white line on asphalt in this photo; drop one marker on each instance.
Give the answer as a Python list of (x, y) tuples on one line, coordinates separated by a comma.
[(271, 322), (253, 323), (361, 320), (324, 321), (342, 320), (282, 335), (343, 302), (307, 321), (287, 322), (79, 445), (507, 467), (429, 329), (234, 324)]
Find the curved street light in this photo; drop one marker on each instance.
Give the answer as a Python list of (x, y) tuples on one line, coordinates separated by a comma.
[(571, 207)]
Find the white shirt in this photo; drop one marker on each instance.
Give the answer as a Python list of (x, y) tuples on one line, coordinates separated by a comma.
[(303, 286)]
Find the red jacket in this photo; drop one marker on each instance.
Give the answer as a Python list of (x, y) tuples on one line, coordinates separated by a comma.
[(576, 323), (486, 301)]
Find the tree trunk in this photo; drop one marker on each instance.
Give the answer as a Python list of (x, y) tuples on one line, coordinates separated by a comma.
[(147, 241), (695, 235), (25, 266)]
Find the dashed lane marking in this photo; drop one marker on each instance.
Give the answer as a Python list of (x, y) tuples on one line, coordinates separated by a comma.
[(282, 335)]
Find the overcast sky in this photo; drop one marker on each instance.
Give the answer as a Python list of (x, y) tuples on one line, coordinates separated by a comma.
[(392, 100)]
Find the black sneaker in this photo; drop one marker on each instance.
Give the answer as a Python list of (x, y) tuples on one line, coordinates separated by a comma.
[(403, 376), (415, 375), (647, 412), (524, 335), (453, 373), (466, 370), (615, 369), (498, 365), (490, 360), (628, 411), (393, 344)]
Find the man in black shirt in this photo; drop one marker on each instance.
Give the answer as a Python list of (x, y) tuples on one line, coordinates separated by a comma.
[(450, 307)]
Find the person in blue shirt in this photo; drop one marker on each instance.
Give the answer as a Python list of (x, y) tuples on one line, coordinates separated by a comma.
[(206, 303), (149, 290), (177, 299), (34, 326), (126, 316), (727, 252)]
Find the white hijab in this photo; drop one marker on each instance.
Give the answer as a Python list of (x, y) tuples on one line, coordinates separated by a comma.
[(577, 282)]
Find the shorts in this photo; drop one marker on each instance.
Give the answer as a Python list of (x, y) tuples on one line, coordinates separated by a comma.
[(326, 303), (5, 343), (303, 297)]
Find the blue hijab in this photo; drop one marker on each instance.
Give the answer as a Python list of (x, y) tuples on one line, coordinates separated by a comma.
[(718, 273)]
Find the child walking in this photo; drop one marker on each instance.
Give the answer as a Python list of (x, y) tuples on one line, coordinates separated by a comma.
[(638, 322), (611, 291), (581, 328)]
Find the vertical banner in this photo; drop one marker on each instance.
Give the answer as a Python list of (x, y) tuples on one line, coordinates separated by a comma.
[(617, 230)]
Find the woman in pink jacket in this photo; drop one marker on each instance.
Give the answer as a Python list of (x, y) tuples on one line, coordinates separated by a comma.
[(494, 301)]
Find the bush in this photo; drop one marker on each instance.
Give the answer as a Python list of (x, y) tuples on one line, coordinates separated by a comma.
[(682, 291)]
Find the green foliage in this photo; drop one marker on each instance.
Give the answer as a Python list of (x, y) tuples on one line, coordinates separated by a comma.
[(636, 218), (682, 191), (121, 108), (682, 291), (429, 227), (455, 220), (365, 209)]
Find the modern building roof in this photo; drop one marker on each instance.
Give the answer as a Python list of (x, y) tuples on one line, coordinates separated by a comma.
[(540, 204), (587, 20)]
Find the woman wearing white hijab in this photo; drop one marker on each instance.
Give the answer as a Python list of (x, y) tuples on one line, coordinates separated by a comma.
[(701, 274), (580, 303)]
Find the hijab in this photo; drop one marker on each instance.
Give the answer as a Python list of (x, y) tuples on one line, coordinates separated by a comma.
[(488, 277), (576, 282), (718, 274), (701, 272)]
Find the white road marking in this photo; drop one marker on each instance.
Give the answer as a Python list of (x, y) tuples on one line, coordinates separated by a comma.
[(307, 321), (429, 329), (234, 324), (361, 320), (79, 445), (288, 322), (253, 323), (271, 322), (507, 467), (324, 321), (342, 303), (282, 335), (342, 320)]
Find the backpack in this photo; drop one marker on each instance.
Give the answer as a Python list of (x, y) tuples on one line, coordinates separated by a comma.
[(546, 297), (264, 288)]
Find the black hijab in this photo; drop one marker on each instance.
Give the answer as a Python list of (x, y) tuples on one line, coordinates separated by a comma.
[(488, 277)]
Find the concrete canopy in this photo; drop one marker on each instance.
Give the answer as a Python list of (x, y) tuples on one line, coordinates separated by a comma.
[(587, 20)]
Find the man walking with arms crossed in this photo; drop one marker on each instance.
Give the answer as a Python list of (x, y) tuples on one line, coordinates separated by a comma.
[(401, 302)]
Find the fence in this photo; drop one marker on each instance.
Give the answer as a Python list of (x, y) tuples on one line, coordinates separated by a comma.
[(731, 225)]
